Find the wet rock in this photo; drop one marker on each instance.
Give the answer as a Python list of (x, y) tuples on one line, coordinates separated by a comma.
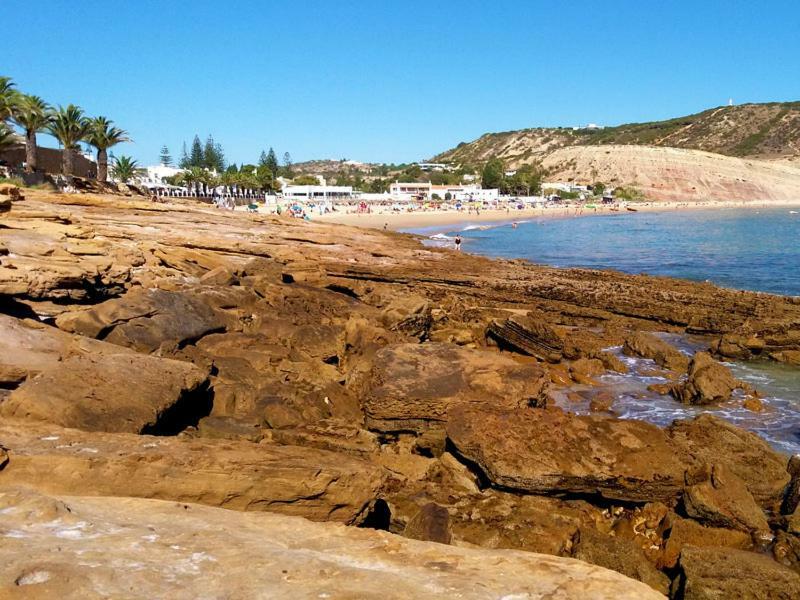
[(729, 573), (238, 475), (687, 532), (611, 362), (559, 375), (708, 440), (618, 555), (791, 357), (145, 320), (587, 366), (786, 550), (660, 388), (753, 403), (92, 392), (708, 382), (411, 387), (791, 499), (431, 524), (126, 547), (601, 402), (549, 452), (647, 345), (528, 335), (723, 501)]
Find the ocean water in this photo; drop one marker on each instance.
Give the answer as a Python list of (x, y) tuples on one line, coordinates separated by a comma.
[(752, 249)]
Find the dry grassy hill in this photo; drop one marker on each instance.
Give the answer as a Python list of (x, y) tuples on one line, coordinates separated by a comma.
[(749, 130)]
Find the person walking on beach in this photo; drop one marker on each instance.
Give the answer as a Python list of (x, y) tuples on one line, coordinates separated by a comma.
[(458, 243)]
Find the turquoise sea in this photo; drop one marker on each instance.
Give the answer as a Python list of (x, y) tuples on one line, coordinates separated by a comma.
[(753, 249)]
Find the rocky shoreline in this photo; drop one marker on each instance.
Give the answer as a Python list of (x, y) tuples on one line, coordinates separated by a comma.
[(154, 354)]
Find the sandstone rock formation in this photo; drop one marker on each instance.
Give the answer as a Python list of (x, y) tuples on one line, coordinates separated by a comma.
[(291, 480), (708, 382), (550, 452), (729, 573), (412, 387), (123, 547), (254, 363)]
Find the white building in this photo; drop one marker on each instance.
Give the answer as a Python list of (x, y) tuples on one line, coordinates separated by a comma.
[(317, 192), (409, 191), (154, 175), (434, 167)]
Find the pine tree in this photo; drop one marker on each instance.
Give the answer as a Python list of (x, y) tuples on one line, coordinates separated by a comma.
[(287, 165), (184, 164), (272, 163), (262, 160), (196, 158), (166, 157)]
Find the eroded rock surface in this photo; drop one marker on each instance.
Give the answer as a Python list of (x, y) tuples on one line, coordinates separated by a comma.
[(412, 387), (240, 475), (134, 548), (551, 452)]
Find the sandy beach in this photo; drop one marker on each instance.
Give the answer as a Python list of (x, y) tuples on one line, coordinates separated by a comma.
[(396, 221)]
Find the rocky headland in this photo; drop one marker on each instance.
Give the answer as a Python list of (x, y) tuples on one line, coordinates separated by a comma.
[(196, 403)]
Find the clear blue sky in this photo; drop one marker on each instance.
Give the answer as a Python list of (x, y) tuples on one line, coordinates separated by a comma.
[(378, 80)]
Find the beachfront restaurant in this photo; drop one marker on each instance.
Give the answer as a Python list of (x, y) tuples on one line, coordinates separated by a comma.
[(318, 193)]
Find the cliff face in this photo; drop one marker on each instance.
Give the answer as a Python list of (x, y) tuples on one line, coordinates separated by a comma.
[(177, 353), (676, 174)]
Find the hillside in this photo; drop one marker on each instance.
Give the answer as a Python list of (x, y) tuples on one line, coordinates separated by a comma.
[(676, 174), (749, 130)]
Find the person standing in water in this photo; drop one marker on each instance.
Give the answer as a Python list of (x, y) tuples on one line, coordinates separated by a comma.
[(458, 242)]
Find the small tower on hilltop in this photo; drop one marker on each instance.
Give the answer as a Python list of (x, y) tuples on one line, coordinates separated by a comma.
[(730, 101)]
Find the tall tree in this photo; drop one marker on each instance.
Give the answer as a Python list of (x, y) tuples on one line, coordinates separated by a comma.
[(7, 97), (271, 163), (125, 168), (103, 135), (69, 126), (493, 174), (165, 157), (184, 162), (262, 159), (196, 156), (33, 115), (287, 165), (213, 156)]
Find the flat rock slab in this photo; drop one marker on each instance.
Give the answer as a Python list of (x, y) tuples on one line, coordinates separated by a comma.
[(124, 392), (76, 548), (708, 440), (728, 573), (548, 451), (411, 387), (146, 320), (240, 475)]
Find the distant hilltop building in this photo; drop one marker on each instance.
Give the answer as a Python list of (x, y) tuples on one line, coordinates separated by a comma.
[(434, 166), (590, 127)]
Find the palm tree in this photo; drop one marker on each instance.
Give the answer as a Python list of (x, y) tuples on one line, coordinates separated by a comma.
[(7, 95), (7, 136), (69, 126), (103, 135), (125, 168), (33, 115)]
